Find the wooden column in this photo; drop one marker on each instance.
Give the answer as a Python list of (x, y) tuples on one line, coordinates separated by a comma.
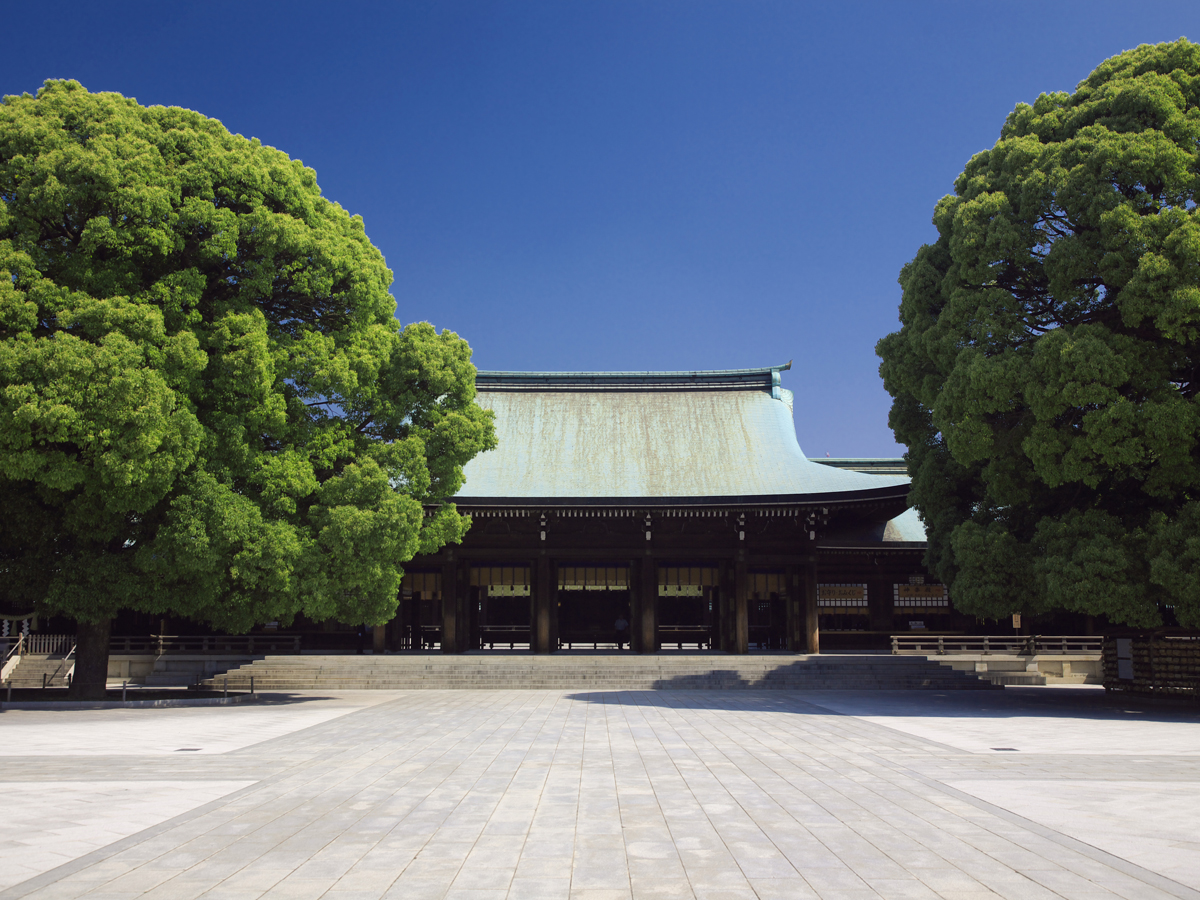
[(647, 619), (541, 635), (378, 638), (879, 603), (795, 609), (812, 632), (450, 605), (741, 611), (725, 607), (635, 605), (400, 623)]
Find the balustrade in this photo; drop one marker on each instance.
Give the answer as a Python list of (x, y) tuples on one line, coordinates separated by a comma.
[(1017, 645)]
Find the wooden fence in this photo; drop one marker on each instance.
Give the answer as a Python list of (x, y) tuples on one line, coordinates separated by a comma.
[(1014, 645), (1153, 663)]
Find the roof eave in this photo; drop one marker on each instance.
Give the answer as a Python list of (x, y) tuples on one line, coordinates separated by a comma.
[(828, 498)]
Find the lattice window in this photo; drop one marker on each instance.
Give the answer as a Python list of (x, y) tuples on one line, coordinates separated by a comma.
[(593, 578), (427, 584), (502, 581), (915, 597), (686, 581), (846, 599)]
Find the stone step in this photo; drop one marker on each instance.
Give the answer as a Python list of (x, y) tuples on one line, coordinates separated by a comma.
[(29, 671), (281, 673)]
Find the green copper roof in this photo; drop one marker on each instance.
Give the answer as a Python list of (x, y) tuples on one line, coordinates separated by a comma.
[(619, 437), (905, 528)]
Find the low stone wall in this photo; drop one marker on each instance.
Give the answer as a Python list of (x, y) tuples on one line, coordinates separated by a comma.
[(1051, 668), (130, 667), (173, 669)]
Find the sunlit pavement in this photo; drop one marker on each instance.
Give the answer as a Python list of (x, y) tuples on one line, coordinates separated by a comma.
[(1025, 793)]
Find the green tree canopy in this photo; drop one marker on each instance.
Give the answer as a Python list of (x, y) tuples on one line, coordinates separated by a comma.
[(1046, 374), (207, 406)]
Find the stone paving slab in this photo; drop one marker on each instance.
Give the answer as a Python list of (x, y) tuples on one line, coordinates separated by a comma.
[(1156, 826), (585, 796), (46, 824), (134, 731)]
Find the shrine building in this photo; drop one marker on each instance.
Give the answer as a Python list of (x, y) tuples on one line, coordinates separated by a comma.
[(666, 510)]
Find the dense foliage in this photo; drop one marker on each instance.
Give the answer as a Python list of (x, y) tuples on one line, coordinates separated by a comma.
[(1046, 374), (207, 407)]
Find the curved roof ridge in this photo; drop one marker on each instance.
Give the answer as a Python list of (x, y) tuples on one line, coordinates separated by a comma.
[(688, 373), (711, 379)]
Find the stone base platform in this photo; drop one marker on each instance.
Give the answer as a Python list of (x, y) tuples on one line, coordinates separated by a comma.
[(598, 672)]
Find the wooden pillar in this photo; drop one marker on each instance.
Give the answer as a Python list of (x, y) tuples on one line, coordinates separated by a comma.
[(647, 619), (724, 607), (879, 603), (795, 610), (741, 606), (541, 636), (634, 580), (400, 623), (378, 638), (450, 605), (811, 630)]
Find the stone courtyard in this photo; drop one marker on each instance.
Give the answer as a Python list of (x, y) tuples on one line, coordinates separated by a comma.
[(1022, 793)]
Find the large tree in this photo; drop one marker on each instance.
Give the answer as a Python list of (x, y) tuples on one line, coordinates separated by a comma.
[(207, 406), (1046, 374)]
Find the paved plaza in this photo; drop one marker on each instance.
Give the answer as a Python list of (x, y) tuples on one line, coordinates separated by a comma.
[(1025, 793)]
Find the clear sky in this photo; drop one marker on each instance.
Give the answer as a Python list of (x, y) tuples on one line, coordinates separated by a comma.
[(613, 185)]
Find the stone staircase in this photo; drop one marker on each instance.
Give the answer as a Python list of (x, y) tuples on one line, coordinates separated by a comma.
[(605, 673), (29, 671)]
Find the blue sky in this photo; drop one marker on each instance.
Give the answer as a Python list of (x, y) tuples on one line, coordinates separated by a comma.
[(620, 185)]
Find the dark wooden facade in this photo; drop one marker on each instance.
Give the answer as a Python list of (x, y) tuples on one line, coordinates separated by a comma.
[(758, 576)]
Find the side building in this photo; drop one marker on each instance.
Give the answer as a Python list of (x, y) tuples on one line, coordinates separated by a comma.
[(666, 510)]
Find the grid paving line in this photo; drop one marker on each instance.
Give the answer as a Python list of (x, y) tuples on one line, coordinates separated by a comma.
[(956, 821), (993, 819), (751, 780), (547, 712), (657, 731), (947, 827), (291, 789), (653, 737), (925, 820)]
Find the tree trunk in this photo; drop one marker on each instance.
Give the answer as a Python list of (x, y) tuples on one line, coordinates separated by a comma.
[(91, 660)]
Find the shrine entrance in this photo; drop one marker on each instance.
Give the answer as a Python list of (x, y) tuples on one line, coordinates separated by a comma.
[(498, 608), (592, 601), (418, 623), (766, 610), (688, 607)]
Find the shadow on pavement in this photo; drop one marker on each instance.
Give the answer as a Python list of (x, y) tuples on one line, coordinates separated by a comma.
[(1013, 701)]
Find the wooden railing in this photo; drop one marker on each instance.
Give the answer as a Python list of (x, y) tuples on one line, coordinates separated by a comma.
[(12, 655), (513, 635), (1016, 645), (685, 635), (37, 644), (65, 669), (160, 644)]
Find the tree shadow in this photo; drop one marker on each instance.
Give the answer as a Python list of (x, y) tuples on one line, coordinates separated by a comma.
[(1011, 702)]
